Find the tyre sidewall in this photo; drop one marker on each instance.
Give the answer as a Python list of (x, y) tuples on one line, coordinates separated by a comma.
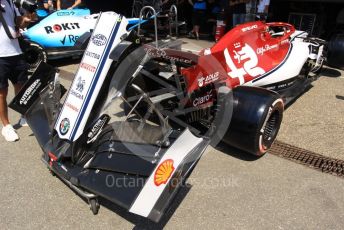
[(274, 104), (41, 54)]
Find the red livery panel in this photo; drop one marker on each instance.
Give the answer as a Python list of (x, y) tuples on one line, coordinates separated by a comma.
[(244, 53)]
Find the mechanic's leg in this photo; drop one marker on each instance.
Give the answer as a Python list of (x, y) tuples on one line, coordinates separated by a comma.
[(3, 106), (20, 73), (4, 73), (196, 31), (19, 79)]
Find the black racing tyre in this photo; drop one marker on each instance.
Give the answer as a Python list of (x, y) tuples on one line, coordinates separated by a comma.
[(35, 54), (335, 54), (256, 119)]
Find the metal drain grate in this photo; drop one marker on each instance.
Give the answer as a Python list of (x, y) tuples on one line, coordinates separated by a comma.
[(308, 158)]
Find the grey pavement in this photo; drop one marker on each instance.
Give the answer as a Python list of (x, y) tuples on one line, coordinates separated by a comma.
[(227, 190)]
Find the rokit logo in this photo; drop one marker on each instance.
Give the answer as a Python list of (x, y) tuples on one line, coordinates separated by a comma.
[(204, 99), (88, 67), (29, 92), (63, 26), (208, 79), (92, 55), (99, 40)]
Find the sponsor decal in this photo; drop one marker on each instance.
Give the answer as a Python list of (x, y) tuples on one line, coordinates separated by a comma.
[(159, 53), (63, 26), (284, 41), (164, 172), (64, 126), (204, 99), (29, 92), (282, 85), (200, 80), (237, 45), (72, 39), (262, 50), (97, 128), (88, 67), (65, 13), (92, 55), (77, 94), (72, 107), (63, 41), (248, 28), (99, 40), (208, 79), (80, 85), (249, 60)]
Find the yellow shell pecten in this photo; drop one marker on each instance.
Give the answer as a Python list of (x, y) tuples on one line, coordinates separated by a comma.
[(163, 172)]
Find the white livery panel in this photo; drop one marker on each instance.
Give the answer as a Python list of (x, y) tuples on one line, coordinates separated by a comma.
[(90, 75)]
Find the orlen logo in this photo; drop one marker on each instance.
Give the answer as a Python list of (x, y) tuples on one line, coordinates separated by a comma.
[(163, 172), (248, 60), (249, 28), (63, 26), (99, 40)]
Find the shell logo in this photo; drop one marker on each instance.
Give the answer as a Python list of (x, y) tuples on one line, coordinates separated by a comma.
[(163, 172)]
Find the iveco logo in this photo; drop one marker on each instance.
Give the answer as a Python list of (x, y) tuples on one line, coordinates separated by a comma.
[(99, 40)]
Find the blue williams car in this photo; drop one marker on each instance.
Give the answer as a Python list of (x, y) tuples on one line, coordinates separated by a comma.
[(54, 36)]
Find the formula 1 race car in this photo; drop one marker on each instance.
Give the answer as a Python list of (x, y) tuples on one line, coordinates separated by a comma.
[(54, 36), (138, 117)]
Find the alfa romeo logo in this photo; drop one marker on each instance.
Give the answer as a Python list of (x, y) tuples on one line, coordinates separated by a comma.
[(64, 126)]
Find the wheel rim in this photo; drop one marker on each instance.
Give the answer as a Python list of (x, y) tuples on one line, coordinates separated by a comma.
[(271, 129), (34, 57)]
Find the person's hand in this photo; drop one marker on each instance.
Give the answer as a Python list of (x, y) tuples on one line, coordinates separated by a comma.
[(24, 21), (30, 17), (70, 8)]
